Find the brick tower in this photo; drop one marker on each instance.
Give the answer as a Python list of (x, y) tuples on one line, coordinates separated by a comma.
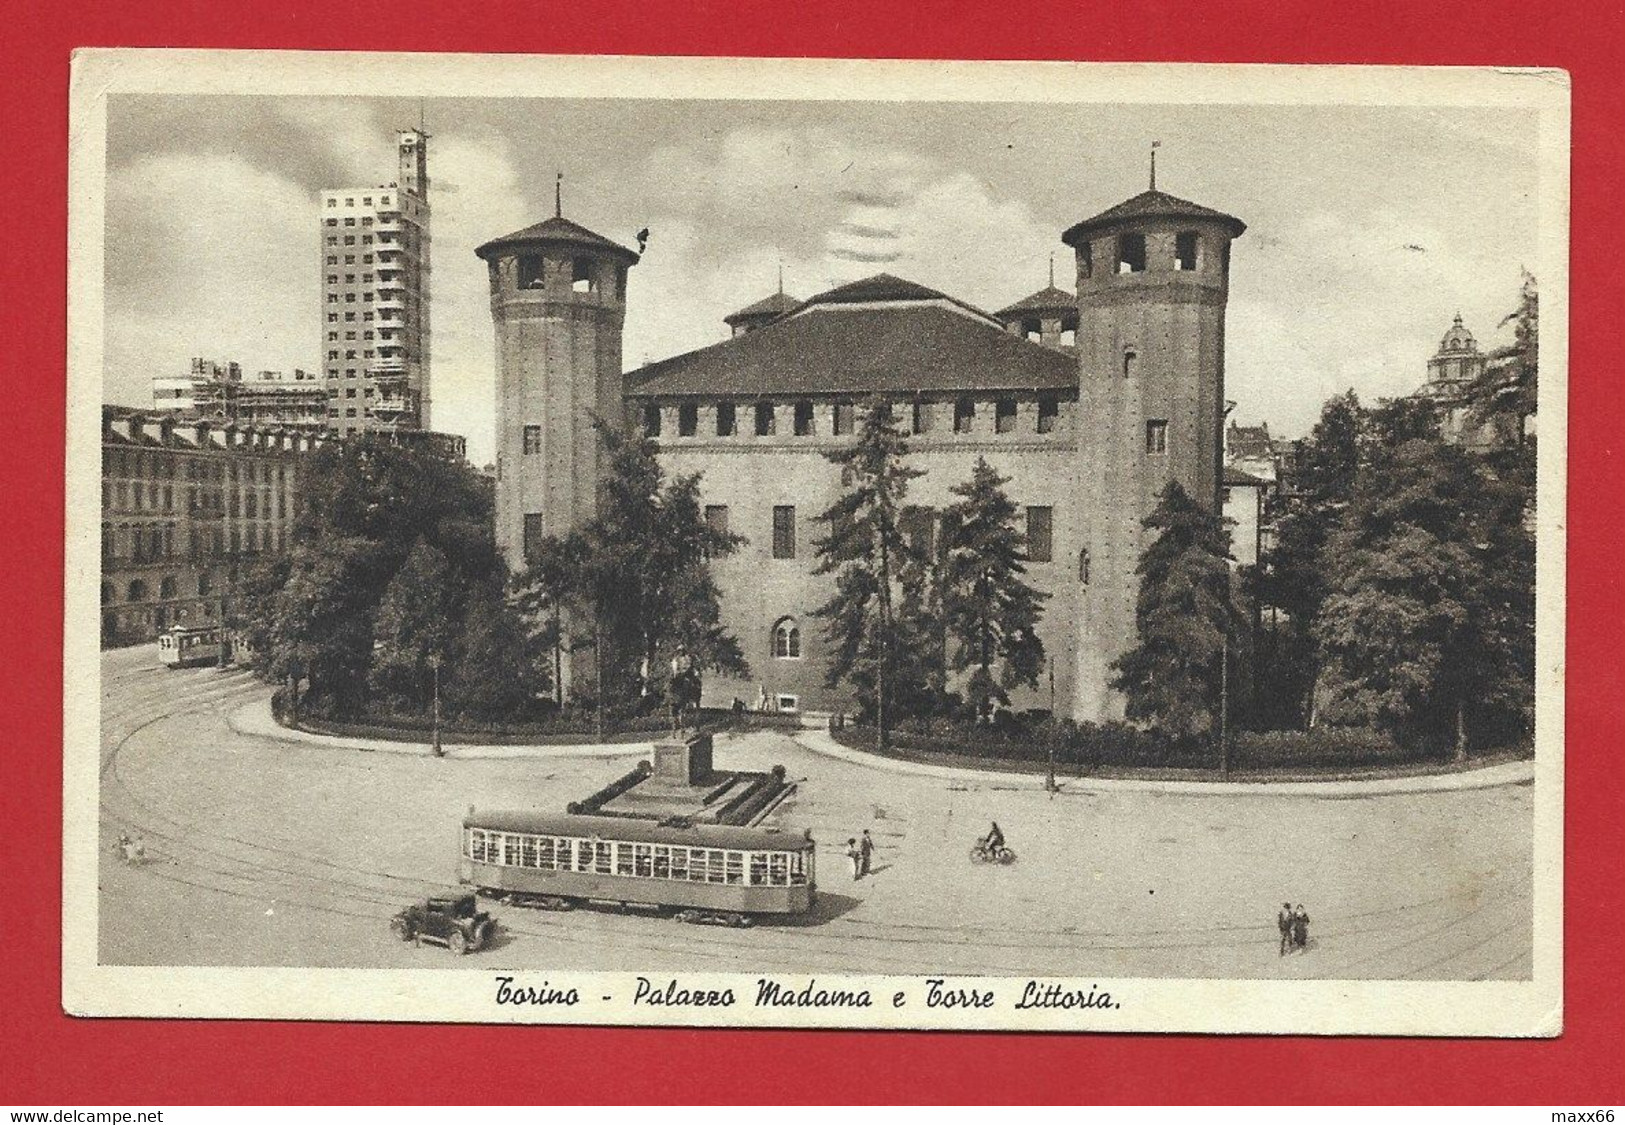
[(1153, 280), (558, 301)]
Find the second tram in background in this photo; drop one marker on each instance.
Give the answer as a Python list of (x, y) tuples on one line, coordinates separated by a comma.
[(189, 648), (183, 647)]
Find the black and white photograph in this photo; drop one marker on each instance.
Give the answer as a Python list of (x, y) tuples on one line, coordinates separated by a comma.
[(703, 542)]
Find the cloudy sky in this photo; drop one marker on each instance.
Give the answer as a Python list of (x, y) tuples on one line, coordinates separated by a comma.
[(1368, 227)]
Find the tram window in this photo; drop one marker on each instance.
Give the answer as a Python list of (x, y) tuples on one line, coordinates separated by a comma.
[(778, 869), (544, 852), (584, 855), (623, 859), (510, 850), (476, 845), (798, 867), (662, 868), (601, 857), (679, 863), (736, 867), (527, 851), (758, 869), (643, 860)]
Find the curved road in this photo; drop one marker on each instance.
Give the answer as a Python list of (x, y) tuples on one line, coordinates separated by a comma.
[(265, 852)]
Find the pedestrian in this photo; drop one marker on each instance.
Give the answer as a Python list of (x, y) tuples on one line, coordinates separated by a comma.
[(854, 857), (866, 852), (1300, 927), (761, 698), (1284, 920)]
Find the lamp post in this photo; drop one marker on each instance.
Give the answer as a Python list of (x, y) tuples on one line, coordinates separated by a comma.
[(434, 746), (1224, 705), (1049, 781)]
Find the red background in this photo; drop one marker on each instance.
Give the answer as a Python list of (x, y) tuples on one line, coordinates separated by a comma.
[(46, 1057)]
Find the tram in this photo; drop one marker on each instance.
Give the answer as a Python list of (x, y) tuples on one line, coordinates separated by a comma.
[(182, 647), (713, 874)]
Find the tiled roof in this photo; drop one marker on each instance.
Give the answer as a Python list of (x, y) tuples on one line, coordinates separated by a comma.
[(1049, 299), (1151, 204), (555, 231), (908, 349), (775, 305), (886, 287)]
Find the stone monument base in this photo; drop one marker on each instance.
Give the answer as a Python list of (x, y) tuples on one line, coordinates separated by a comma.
[(684, 760)]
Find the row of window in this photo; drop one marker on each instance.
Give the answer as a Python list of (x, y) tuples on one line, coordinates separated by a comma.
[(367, 353), (366, 279), (168, 587), (385, 238), (350, 317), (1132, 256), (531, 273), (388, 257), (158, 466), (118, 496), (156, 544), (1032, 328), (386, 334), (366, 201), (843, 420), (677, 862), (918, 526)]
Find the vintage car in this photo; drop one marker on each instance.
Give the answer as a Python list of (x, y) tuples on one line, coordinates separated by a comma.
[(451, 921)]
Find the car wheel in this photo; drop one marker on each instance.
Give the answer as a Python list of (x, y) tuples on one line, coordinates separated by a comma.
[(458, 942)]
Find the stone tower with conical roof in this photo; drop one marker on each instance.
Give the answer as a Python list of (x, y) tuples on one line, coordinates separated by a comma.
[(1153, 280), (558, 302)]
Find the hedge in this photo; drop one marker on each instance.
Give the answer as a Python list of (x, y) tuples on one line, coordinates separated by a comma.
[(568, 727), (1088, 746)]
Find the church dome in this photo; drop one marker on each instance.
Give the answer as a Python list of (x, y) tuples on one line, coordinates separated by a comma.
[(1458, 339)]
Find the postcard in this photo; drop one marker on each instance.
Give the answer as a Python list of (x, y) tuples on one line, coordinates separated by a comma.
[(808, 543)]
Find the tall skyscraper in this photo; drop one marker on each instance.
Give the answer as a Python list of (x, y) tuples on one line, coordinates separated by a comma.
[(375, 298)]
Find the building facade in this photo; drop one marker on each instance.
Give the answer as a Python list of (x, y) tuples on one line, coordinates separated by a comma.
[(1089, 402), (220, 392), (375, 268), (185, 505)]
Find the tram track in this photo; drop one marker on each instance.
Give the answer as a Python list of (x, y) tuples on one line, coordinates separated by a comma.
[(229, 864)]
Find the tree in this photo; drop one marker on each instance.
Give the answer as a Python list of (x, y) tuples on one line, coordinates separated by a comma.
[(634, 582), (366, 506), (491, 673), (991, 614), (867, 553), (320, 628), (1291, 575), (1392, 423), (1184, 615), (413, 626), (1431, 612), (1505, 394), (683, 604)]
